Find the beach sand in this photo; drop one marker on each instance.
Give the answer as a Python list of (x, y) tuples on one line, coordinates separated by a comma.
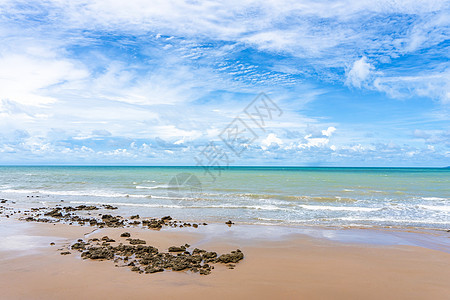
[(291, 266)]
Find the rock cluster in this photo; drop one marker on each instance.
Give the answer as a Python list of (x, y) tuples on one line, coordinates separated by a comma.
[(148, 259), (66, 214)]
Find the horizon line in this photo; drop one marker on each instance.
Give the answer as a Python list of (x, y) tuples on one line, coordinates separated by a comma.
[(234, 166)]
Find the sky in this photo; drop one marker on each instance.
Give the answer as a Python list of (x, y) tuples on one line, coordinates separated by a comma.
[(160, 82)]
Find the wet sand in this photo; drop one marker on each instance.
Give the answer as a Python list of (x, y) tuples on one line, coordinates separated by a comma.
[(290, 266)]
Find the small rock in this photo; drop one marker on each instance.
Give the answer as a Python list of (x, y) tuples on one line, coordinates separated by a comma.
[(137, 241), (229, 223), (233, 257), (107, 239), (177, 249), (166, 218)]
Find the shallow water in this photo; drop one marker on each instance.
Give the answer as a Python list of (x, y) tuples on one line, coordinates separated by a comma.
[(403, 197)]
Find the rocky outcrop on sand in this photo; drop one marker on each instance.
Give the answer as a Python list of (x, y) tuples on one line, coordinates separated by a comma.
[(68, 215), (148, 259)]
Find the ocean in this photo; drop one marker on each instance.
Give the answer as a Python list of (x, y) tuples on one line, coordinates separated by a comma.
[(399, 197)]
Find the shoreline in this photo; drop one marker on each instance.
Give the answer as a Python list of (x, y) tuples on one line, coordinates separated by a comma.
[(287, 262), (432, 238), (420, 229)]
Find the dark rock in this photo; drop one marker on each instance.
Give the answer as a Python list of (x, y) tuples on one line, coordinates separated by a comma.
[(136, 241), (98, 253), (233, 257), (208, 255), (153, 269), (55, 213), (107, 239), (177, 249), (79, 246), (204, 272), (107, 206), (125, 234), (198, 251), (229, 223)]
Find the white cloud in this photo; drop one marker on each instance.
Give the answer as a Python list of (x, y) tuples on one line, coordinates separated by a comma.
[(435, 85), (28, 79), (271, 140), (313, 140), (329, 131), (359, 73)]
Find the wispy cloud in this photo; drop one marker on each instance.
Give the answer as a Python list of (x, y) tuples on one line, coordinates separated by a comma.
[(126, 81)]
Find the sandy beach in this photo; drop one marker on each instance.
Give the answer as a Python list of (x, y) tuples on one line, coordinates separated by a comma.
[(285, 263)]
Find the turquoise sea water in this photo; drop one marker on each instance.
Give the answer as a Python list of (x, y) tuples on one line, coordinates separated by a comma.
[(404, 197)]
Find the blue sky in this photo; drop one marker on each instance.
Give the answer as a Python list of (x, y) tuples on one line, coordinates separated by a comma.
[(360, 83)]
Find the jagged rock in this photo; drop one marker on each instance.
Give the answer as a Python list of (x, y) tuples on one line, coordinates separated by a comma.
[(107, 239), (79, 246), (55, 213), (209, 255), (233, 257), (177, 249), (107, 206), (136, 241), (198, 251), (98, 253)]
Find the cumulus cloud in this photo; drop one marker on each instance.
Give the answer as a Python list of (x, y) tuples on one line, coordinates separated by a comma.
[(329, 131), (271, 140), (317, 141), (359, 73)]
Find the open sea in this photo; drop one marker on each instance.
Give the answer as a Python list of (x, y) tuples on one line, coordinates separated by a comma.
[(401, 197)]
